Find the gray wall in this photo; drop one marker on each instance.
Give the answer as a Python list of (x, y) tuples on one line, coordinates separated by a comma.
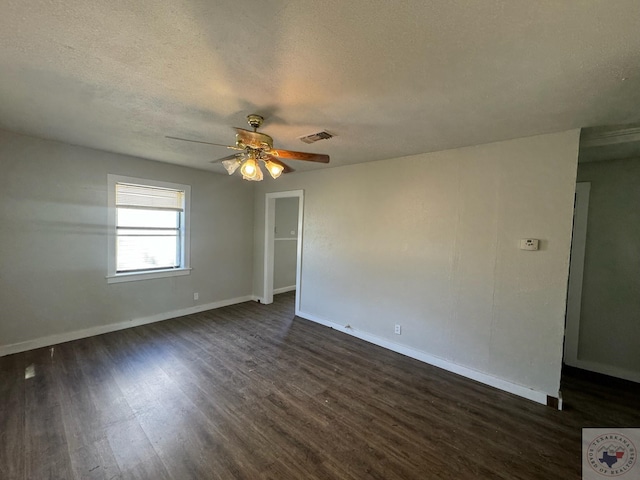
[(285, 245), (53, 242), (428, 241), (431, 242), (610, 310)]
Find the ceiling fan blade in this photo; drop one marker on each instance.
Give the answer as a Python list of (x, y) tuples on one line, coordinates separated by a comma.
[(228, 157), (286, 168), (309, 157), (199, 141)]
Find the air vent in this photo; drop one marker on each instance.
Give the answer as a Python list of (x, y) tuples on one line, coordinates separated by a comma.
[(314, 137)]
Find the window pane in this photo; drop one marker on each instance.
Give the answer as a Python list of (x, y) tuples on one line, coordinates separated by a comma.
[(133, 217), (145, 252)]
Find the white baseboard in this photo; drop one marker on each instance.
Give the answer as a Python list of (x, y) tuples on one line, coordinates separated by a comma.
[(610, 370), (290, 288), (520, 390), (90, 332)]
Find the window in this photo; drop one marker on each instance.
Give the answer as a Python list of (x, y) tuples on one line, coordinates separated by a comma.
[(149, 229)]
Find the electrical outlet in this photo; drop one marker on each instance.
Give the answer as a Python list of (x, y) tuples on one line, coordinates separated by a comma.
[(398, 330), (196, 296)]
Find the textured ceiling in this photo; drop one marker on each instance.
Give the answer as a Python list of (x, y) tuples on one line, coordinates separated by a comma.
[(388, 78)]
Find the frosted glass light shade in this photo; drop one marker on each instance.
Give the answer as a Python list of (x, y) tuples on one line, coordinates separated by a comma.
[(231, 165), (274, 169), (257, 177), (249, 167), (251, 170)]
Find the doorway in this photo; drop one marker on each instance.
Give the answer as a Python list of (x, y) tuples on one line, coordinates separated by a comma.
[(286, 233), (603, 306)]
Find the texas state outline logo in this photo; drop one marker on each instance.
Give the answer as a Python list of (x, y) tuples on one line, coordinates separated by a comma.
[(610, 453)]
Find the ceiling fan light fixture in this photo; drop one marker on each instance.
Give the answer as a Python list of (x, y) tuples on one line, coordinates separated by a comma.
[(274, 169), (250, 170), (231, 165)]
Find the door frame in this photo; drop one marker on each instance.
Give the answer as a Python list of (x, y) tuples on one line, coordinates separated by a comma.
[(576, 273), (269, 236)]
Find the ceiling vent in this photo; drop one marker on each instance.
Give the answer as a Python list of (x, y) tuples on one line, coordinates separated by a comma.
[(314, 137)]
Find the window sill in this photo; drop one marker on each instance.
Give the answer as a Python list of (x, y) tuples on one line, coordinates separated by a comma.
[(134, 277)]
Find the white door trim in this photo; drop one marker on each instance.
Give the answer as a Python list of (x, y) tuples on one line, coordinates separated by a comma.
[(269, 235), (576, 273)]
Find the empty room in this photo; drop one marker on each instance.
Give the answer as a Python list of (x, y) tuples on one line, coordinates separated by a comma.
[(319, 240)]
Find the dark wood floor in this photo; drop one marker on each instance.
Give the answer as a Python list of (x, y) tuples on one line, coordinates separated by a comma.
[(250, 392)]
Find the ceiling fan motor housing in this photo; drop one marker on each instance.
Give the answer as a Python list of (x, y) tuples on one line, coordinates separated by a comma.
[(254, 140)]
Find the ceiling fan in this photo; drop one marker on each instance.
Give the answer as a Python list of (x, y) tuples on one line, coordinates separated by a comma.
[(254, 148)]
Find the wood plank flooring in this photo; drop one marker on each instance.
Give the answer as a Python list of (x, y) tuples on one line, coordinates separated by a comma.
[(250, 392)]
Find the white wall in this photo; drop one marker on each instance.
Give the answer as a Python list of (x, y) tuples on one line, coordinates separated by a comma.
[(285, 248), (53, 243), (609, 333), (431, 242)]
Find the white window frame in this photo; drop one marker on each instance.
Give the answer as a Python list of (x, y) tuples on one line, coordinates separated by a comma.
[(185, 261)]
